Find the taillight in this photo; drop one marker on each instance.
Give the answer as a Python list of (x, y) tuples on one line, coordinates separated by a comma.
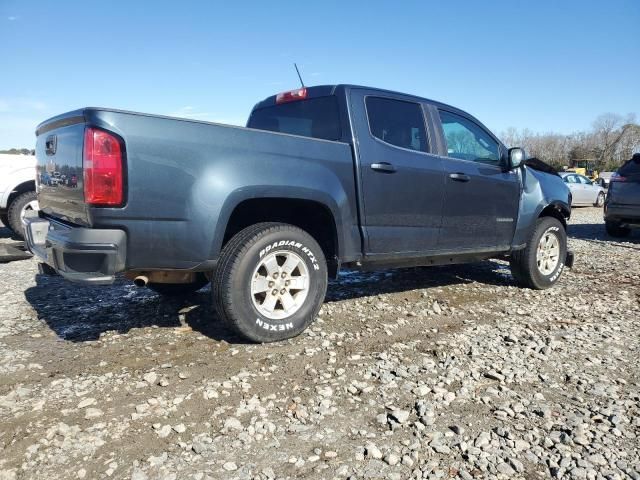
[(616, 177), (292, 96), (102, 167)]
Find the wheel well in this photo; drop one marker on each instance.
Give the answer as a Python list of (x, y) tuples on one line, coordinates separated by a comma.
[(20, 189), (313, 217), (555, 212)]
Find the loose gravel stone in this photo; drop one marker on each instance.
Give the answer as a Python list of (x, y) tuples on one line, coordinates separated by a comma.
[(418, 373)]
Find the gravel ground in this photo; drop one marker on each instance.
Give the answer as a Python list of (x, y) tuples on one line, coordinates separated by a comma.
[(443, 372)]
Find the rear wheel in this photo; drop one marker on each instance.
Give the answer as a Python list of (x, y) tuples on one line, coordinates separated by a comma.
[(541, 262), (270, 282), (178, 289), (599, 200), (22, 204), (615, 229)]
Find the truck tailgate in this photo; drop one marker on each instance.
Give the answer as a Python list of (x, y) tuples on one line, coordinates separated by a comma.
[(59, 167)]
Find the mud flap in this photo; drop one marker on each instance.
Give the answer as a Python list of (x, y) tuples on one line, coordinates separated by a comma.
[(569, 260)]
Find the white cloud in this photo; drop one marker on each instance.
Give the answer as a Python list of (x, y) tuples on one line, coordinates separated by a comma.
[(12, 18)]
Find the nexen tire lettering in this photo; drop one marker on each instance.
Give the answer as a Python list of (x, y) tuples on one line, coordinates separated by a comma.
[(291, 243), (274, 327), (557, 274)]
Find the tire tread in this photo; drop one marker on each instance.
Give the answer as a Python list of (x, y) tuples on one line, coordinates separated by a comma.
[(522, 261), (13, 213), (232, 252)]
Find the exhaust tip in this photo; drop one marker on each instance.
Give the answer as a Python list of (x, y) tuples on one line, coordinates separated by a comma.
[(141, 281)]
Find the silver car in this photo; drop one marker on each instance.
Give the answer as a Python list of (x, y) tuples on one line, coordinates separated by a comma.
[(583, 190), (604, 179)]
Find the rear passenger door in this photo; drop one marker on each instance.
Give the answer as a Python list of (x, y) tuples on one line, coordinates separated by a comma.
[(401, 181), (481, 197)]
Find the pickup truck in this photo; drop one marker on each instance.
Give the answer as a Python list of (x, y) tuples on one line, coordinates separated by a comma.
[(17, 190), (322, 178)]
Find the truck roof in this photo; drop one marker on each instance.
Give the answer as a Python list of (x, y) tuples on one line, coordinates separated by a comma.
[(324, 90)]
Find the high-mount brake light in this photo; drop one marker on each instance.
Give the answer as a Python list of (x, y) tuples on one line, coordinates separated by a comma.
[(291, 96), (103, 169)]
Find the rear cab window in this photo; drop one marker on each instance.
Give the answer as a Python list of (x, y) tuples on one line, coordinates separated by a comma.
[(314, 117)]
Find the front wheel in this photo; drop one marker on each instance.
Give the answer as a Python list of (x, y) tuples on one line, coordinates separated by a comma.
[(599, 200), (541, 262), (270, 282), (18, 209)]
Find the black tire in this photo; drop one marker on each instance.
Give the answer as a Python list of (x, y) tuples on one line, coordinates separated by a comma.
[(524, 265), (4, 218), (599, 200), (16, 207), (231, 285), (178, 289), (616, 230)]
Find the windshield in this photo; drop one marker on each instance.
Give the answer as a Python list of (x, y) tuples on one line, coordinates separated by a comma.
[(316, 118)]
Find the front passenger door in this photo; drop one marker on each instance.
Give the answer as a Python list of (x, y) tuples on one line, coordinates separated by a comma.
[(481, 198)]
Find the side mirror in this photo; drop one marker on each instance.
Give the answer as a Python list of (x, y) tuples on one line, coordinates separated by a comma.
[(516, 157)]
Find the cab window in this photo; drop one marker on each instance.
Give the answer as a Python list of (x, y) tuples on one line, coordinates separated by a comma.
[(397, 123), (468, 141)]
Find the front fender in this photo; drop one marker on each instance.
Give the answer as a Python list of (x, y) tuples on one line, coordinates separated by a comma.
[(540, 191)]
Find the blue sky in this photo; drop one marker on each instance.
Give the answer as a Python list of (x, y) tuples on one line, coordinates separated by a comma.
[(546, 65)]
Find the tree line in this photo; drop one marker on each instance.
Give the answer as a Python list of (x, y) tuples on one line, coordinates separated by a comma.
[(19, 151), (611, 141)]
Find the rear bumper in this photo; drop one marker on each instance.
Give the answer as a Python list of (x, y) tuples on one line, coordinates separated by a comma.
[(622, 213), (81, 255)]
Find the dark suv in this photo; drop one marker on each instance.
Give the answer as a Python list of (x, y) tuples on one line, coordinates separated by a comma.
[(622, 206)]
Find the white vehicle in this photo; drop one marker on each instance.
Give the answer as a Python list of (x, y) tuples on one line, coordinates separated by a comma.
[(583, 190), (17, 189)]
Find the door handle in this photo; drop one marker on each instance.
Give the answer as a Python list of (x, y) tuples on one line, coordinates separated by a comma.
[(385, 167), (459, 177)]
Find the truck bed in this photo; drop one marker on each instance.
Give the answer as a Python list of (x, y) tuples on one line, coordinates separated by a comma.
[(183, 179)]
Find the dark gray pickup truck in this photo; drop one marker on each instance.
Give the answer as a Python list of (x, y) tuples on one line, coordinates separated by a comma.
[(322, 178)]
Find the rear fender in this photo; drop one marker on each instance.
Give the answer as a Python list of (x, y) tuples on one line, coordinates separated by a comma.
[(282, 192)]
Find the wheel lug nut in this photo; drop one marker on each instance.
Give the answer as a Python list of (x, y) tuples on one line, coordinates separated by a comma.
[(275, 275), (286, 284), (283, 274), (271, 284), (283, 291), (275, 292)]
